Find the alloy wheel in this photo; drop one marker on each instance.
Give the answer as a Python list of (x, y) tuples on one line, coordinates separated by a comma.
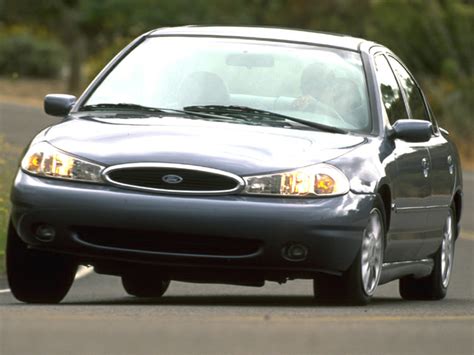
[(447, 251), (372, 253)]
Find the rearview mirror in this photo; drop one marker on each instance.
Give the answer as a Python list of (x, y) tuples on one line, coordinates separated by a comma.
[(58, 104), (250, 60), (412, 130)]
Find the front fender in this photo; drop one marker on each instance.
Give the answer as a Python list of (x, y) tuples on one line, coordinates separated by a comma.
[(367, 167)]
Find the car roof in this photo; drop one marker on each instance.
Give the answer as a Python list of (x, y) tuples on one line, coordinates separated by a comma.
[(267, 33)]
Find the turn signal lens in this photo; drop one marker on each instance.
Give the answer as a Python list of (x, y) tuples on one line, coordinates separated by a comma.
[(324, 184), (34, 162)]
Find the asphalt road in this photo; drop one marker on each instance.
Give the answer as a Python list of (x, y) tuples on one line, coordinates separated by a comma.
[(97, 317)]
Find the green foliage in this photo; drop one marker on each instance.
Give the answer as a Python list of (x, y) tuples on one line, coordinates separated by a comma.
[(8, 163), (430, 36), (435, 40), (433, 37), (97, 62), (24, 54), (452, 102)]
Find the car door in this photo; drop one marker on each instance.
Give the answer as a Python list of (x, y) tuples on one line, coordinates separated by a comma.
[(411, 186), (442, 162)]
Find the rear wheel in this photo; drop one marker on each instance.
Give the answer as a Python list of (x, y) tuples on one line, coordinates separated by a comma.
[(434, 286), (358, 284), (37, 276), (144, 286)]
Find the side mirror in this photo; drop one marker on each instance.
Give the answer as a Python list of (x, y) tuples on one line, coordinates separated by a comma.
[(412, 130), (58, 104)]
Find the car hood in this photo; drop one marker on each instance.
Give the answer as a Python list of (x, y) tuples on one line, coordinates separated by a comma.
[(237, 148)]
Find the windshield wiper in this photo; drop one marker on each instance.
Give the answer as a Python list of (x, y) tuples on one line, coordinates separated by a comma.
[(258, 114), (136, 107), (120, 106), (220, 112)]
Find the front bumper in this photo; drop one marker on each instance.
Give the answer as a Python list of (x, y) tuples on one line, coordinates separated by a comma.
[(331, 228)]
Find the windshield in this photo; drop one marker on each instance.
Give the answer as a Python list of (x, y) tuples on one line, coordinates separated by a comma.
[(316, 84)]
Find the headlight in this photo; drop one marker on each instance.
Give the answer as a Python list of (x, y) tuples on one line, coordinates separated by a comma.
[(44, 160), (315, 180)]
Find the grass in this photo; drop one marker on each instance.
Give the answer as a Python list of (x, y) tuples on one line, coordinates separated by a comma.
[(29, 91), (8, 164)]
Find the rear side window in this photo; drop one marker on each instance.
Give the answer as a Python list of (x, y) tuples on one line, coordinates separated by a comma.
[(412, 92), (390, 91)]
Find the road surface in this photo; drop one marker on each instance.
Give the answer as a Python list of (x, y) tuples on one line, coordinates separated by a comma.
[(97, 317)]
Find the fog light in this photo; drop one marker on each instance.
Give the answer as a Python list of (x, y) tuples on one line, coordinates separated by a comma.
[(295, 252), (45, 233)]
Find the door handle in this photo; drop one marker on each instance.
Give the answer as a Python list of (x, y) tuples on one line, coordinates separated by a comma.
[(426, 167), (450, 164)]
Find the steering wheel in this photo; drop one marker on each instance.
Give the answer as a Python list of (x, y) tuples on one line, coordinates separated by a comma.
[(310, 104), (326, 109)]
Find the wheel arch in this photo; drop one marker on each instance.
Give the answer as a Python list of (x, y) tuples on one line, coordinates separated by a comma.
[(386, 195), (457, 204)]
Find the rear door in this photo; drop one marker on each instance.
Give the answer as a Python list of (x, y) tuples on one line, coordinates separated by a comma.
[(411, 186)]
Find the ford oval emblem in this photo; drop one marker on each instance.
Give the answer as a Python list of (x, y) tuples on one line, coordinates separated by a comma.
[(172, 179)]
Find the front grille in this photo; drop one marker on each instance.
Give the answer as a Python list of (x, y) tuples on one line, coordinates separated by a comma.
[(155, 241), (173, 179)]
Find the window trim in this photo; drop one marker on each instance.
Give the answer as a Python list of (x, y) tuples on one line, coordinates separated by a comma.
[(402, 92), (434, 123)]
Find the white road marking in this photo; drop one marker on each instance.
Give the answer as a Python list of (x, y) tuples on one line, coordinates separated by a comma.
[(83, 271), (467, 235)]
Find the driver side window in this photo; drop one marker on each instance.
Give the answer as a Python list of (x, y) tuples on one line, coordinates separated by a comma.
[(412, 92), (390, 91)]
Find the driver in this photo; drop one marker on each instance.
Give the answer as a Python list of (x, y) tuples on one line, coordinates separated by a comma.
[(317, 84)]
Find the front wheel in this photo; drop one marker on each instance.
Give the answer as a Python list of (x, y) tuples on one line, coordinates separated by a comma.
[(434, 286), (358, 284), (37, 276)]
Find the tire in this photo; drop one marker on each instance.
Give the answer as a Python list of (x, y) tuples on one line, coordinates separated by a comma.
[(434, 286), (358, 284), (37, 276), (144, 286)]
